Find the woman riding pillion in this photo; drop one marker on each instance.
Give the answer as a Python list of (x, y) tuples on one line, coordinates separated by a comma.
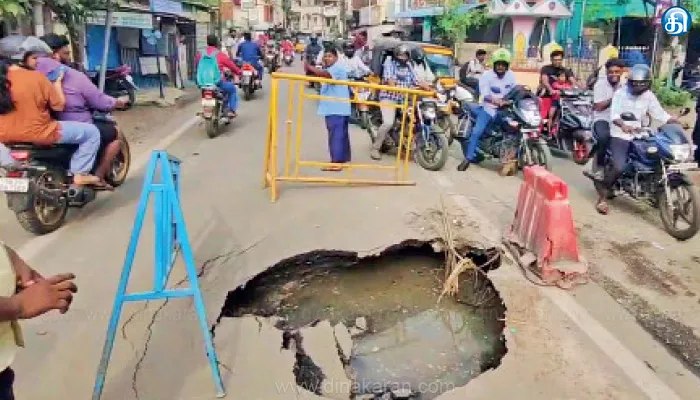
[(26, 101), (494, 85)]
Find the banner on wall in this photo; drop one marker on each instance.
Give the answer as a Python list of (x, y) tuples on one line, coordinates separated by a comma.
[(122, 19)]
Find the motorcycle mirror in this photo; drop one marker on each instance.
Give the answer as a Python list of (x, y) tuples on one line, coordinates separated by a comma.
[(628, 116)]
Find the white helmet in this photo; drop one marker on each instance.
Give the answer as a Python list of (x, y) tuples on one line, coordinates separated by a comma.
[(16, 46)]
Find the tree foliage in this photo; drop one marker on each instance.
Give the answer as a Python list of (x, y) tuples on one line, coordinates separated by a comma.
[(454, 22), (14, 8)]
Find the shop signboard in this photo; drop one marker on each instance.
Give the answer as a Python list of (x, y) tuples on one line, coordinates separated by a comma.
[(247, 4), (166, 7), (122, 19)]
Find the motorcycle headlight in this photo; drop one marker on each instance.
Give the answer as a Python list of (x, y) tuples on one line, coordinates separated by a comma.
[(532, 118), (681, 152), (429, 113)]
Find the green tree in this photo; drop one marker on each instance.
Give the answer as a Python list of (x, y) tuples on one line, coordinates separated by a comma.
[(454, 22), (14, 8)]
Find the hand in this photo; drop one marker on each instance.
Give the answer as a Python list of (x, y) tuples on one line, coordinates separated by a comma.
[(628, 129), (121, 103), (54, 293), (26, 275)]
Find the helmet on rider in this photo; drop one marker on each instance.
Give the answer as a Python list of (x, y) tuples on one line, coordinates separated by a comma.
[(348, 49), (24, 49), (501, 61), (418, 55), (402, 53), (639, 79)]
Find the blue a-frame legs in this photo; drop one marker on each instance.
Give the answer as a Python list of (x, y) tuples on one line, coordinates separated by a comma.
[(170, 234)]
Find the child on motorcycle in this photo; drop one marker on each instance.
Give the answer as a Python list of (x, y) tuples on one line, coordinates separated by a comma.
[(562, 83)]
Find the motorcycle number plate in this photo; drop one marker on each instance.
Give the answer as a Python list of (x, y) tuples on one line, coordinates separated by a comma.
[(683, 166), (247, 73), (208, 102), (14, 185)]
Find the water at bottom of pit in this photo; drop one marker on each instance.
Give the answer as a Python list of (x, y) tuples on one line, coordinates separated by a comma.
[(402, 337)]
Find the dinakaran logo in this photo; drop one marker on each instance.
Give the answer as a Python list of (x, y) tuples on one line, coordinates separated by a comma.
[(676, 21)]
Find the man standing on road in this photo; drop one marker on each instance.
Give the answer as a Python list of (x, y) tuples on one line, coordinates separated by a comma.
[(637, 99), (470, 72), (25, 294), (397, 72), (336, 113), (231, 43), (603, 93)]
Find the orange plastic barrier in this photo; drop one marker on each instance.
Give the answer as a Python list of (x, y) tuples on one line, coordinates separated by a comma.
[(543, 227)]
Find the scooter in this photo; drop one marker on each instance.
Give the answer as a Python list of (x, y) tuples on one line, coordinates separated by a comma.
[(38, 185), (573, 126)]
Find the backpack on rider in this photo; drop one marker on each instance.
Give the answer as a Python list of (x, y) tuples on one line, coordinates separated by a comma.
[(208, 72)]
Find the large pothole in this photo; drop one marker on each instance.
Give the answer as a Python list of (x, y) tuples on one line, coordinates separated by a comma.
[(391, 337)]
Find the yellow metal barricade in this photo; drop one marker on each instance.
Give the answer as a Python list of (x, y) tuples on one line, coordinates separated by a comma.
[(293, 133)]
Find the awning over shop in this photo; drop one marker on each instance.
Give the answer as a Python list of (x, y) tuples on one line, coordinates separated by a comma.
[(432, 11)]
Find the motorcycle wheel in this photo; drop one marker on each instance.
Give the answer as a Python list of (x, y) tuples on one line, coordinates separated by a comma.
[(433, 156), (691, 204), (121, 164), (539, 155), (247, 93), (42, 217), (212, 124)]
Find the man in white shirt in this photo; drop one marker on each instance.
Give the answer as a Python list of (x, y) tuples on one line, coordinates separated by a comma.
[(231, 43), (637, 99), (603, 92), (356, 68)]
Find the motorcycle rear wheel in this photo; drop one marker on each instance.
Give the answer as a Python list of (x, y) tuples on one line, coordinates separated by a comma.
[(692, 204), (43, 218), (121, 164)]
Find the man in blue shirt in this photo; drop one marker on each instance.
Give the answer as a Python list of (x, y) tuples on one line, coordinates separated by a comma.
[(336, 113), (494, 85), (250, 52)]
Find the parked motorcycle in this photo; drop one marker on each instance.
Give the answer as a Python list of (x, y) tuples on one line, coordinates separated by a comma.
[(429, 145), (656, 173), (517, 133), (288, 58), (249, 80), (38, 186), (573, 125), (214, 110), (118, 83)]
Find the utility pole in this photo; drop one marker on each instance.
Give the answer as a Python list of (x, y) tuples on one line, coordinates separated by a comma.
[(343, 18), (105, 51)]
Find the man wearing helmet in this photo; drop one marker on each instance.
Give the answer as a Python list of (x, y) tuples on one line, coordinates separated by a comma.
[(353, 63), (638, 99), (397, 72), (494, 85)]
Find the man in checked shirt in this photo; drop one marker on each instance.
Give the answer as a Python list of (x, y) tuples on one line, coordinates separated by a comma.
[(397, 72)]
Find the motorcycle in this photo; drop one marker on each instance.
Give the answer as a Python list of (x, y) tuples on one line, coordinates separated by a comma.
[(360, 115), (516, 135), (213, 110), (118, 83), (429, 144), (573, 125), (271, 60), (38, 186), (249, 80), (656, 171), (450, 102), (288, 58)]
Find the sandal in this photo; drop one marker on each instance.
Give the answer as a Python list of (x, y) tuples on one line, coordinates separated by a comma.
[(232, 114), (602, 208), (103, 185)]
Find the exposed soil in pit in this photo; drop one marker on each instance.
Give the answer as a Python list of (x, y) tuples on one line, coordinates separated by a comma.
[(403, 340)]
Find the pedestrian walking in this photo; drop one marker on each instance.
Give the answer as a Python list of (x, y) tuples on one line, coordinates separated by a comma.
[(24, 294), (336, 113)]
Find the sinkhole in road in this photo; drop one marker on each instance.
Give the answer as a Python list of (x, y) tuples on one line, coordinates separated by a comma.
[(392, 338)]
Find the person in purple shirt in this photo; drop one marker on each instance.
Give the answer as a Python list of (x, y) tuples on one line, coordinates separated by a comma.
[(82, 98)]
